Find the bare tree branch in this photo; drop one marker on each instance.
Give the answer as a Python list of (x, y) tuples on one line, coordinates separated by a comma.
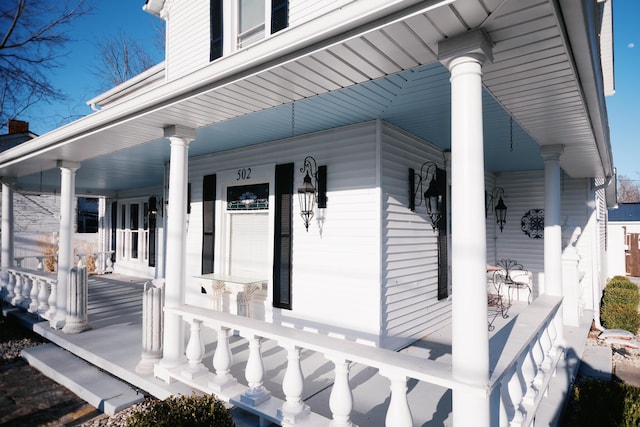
[(628, 190), (32, 40)]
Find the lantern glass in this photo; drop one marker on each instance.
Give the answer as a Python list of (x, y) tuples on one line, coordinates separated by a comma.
[(306, 195)]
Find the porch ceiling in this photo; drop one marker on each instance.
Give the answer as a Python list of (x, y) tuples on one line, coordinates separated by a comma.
[(375, 67)]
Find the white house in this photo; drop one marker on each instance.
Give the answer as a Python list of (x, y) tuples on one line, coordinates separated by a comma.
[(414, 120)]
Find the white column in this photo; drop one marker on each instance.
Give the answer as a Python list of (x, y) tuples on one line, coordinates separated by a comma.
[(173, 341), (464, 57), (553, 229), (65, 243), (552, 223), (7, 231)]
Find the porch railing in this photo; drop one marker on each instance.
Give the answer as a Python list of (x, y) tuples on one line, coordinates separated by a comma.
[(518, 381)]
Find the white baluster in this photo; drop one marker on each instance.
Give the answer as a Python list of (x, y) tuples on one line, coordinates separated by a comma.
[(341, 399), (222, 360), (33, 295), (195, 352), (507, 407), (53, 298), (516, 394), (254, 373), (40, 266), (27, 283), (539, 360), (529, 372), (17, 290), (11, 284), (292, 386), (43, 297), (399, 413)]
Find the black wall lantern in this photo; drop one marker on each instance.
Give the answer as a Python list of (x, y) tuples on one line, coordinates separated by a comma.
[(308, 194), (432, 196), (499, 208)]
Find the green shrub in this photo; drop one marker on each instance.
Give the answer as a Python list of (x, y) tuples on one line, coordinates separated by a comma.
[(183, 411), (603, 404), (620, 316), (621, 282), (621, 296)]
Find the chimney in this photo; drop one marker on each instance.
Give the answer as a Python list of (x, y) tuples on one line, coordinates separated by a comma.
[(18, 126)]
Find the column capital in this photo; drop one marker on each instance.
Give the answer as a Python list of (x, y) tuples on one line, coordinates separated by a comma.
[(474, 43), (64, 164), (180, 131), (551, 152)]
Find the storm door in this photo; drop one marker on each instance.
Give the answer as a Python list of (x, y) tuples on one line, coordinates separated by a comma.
[(132, 238)]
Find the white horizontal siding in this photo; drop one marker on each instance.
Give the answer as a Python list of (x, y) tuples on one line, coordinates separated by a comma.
[(336, 266), (410, 306), (187, 38), (301, 11), (523, 191)]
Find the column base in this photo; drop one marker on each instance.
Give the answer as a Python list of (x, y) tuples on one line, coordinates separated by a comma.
[(218, 384), (146, 364), (75, 327)]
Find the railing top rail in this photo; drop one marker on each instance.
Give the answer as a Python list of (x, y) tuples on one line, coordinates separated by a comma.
[(31, 272), (387, 361), (527, 326)]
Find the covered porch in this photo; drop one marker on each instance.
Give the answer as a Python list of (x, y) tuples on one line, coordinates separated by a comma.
[(493, 99), (337, 380)]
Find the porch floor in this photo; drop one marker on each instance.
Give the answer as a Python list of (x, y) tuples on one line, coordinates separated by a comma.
[(113, 344)]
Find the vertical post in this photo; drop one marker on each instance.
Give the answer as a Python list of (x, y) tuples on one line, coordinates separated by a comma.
[(399, 413), (553, 229), (77, 319), (152, 316), (173, 348), (7, 232), (464, 57), (65, 244), (222, 361)]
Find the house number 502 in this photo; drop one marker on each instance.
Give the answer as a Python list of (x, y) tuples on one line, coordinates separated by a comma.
[(244, 174)]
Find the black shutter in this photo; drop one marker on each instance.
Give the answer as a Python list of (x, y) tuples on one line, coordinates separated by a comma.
[(279, 15), (283, 236), (208, 222), (443, 259), (215, 50)]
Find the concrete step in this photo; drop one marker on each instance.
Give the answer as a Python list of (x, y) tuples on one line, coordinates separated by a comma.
[(96, 387)]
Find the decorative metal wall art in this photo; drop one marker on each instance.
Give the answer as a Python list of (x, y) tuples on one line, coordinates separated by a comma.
[(532, 223)]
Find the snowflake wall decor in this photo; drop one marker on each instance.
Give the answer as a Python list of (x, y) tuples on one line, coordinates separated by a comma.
[(532, 223)]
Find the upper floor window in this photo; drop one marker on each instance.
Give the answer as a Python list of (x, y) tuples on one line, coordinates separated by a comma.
[(244, 22)]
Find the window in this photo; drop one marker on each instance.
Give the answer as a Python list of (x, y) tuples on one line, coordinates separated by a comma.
[(87, 215), (251, 20)]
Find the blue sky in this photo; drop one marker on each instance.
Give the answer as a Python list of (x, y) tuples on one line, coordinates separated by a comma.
[(111, 16), (624, 106)]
